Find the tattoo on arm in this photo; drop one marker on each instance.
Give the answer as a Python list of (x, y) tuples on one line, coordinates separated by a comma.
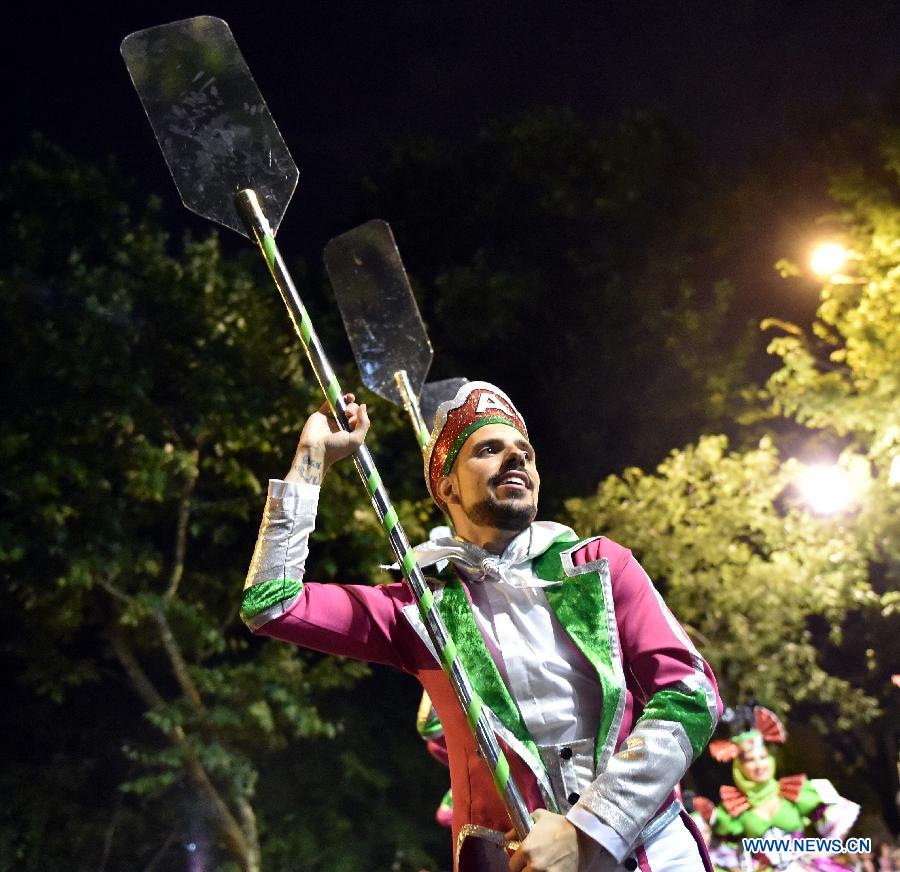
[(307, 467)]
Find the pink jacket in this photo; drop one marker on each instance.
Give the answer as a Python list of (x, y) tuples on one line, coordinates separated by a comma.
[(663, 680)]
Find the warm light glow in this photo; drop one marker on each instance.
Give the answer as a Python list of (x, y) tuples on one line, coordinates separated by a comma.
[(828, 489), (894, 472), (828, 258)]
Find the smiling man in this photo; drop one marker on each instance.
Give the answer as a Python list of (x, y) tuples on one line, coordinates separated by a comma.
[(595, 691)]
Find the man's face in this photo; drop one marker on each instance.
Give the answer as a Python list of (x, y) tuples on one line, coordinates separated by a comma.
[(494, 481)]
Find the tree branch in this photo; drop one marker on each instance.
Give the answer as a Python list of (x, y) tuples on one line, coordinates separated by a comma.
[(110, 832), (154, 860), (150, 696), (176, 659), (248, 825), (114, 592), (241, 848), (185, 500)]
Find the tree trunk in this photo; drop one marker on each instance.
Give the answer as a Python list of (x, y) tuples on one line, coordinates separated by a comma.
[(242, 842)]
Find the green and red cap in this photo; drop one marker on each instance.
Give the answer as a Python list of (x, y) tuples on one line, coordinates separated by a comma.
[(475, 405)]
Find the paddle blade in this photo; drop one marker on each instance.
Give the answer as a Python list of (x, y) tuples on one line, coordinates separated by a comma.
[(379, 311), (211, 122)]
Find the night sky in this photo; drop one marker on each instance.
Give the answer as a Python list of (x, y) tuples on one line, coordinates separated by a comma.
[(341, 76), (741, 78)]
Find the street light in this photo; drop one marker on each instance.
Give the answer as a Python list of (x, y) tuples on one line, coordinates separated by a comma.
[(828, 489), (828, 258)]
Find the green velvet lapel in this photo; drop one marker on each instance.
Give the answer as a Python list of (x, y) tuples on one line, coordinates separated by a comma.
[(456, 610), (579, 603)]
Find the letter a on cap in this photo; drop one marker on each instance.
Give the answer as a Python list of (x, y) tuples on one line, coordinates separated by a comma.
[(490, 401)]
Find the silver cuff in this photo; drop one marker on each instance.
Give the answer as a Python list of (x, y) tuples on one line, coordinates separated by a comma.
[(283, 541), (570, 766), (639, 777)]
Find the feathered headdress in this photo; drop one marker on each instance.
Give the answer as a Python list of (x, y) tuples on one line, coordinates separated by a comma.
[(751, 727)]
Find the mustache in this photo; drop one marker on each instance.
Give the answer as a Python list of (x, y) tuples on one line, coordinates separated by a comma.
[(492, 481)]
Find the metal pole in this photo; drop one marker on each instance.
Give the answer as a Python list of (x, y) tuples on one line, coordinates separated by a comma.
[(411, 404), (248, 208)]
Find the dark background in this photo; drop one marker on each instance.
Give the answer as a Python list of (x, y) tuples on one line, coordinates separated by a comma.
[(339, 77), (745, 82)]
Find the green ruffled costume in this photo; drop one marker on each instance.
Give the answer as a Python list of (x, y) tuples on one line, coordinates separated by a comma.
[(790, 816)]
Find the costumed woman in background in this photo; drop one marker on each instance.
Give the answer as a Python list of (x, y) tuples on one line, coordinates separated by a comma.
[(759, 805)]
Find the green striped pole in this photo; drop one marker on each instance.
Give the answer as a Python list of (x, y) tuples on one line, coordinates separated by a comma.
[(249, 209)]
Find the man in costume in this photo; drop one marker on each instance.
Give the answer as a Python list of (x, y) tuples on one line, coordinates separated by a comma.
[(760, 805), (598, 697)]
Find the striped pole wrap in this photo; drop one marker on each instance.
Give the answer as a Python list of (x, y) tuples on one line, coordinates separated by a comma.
[(249, 209)]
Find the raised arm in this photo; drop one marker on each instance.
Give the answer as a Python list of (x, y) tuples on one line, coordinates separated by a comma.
[(357, 621)]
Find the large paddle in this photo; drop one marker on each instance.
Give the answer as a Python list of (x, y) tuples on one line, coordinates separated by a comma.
[(383, 323), (230, 165)]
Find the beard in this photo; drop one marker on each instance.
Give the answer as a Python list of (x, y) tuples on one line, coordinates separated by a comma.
[(490, 512)]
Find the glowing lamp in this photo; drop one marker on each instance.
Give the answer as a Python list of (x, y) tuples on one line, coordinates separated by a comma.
[(894, 471), (828, 258), (828, 489)]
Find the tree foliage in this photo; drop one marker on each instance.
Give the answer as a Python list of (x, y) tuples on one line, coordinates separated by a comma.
[(559, 257), (796, 610), (150, 391), (842, 379), (740, 565), (151, 388)]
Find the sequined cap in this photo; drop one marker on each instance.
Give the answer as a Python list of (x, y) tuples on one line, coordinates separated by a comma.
[(475, 405)]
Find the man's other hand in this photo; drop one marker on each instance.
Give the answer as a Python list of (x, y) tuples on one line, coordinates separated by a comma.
[(551, 846)]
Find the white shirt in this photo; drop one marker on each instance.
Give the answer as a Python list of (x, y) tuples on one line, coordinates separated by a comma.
[(553, 684)]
